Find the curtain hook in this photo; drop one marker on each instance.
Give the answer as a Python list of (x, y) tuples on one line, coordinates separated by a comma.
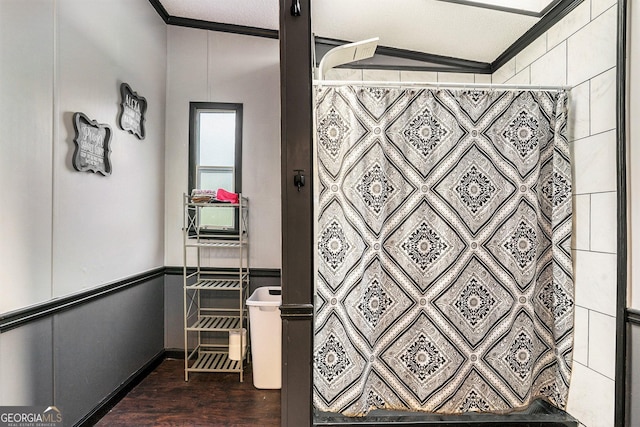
[(295, 8)]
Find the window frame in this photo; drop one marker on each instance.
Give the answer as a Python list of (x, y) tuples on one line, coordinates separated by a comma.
[(195, 108)]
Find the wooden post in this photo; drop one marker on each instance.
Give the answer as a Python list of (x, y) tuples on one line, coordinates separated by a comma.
[(297, 213)]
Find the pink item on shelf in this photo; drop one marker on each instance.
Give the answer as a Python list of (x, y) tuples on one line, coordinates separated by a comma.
[(226, 196)]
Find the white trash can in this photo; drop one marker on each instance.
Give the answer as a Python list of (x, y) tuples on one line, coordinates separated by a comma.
[(265, 327)]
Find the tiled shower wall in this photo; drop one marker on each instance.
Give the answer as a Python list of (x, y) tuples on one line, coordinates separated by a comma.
[(579, 51)]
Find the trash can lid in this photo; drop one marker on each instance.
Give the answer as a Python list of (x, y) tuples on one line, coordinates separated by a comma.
[(266, 296)]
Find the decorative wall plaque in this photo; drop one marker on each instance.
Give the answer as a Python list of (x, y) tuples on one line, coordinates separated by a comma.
[(92, 145), (132, 109)]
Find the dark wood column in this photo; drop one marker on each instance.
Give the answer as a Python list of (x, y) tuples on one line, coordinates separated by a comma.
[(297, 213)]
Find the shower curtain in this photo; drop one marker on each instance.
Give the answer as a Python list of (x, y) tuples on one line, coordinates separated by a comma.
[(444, 274)]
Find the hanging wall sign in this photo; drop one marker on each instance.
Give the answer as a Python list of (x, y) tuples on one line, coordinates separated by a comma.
[(92, 145), (132, 109)]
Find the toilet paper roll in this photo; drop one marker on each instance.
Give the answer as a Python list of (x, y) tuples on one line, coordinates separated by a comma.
[(237, 344)]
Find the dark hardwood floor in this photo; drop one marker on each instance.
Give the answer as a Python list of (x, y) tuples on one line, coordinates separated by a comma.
[(163, 398)]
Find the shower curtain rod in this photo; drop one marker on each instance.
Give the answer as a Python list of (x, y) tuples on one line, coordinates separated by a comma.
[(443, 85)]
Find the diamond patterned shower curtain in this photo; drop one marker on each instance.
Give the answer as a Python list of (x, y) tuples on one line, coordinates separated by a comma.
[(444, 267)]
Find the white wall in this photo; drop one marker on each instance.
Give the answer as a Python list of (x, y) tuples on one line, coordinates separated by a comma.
[(63, 231), (26, 135), (206, 66), (580, 51)]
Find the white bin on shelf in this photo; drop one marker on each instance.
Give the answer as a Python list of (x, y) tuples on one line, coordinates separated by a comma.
[(266, 336)]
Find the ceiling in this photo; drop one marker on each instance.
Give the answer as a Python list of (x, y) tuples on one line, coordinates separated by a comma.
[(452, 28)]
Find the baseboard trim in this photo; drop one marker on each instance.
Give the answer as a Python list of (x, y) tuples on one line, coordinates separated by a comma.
[(174, 353), (119, 393), (265, 272)]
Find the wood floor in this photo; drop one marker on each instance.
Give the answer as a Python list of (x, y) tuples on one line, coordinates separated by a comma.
[(163, 398)]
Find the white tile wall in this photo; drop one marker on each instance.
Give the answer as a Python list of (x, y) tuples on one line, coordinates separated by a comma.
[(551, 68), (455, 78), (381, 75), (483, 78), (575, 20), (579, 112), (505, 72), (418, 76), (603, 102), (532, 52), (594, 163), (602, 343), (521, 78), (599, 6), (582, 222), (604, 221), (581, 336), (592, 50), (406, 76), (343, 74), (591, 397), (595, 279)]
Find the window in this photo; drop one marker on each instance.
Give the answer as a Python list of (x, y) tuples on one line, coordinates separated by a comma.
[(215, 158)]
